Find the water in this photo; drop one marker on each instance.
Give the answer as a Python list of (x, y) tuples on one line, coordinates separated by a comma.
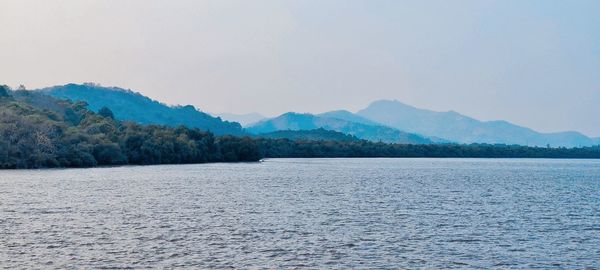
[(306, 213)]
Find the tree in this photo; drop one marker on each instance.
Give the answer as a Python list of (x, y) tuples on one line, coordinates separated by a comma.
[(106, 112), (4, 91)]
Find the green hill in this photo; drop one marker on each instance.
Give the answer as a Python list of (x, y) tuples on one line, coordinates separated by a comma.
[(132, 106)]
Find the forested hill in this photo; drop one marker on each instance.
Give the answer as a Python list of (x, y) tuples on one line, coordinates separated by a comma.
[(38, 131), (132, 106)]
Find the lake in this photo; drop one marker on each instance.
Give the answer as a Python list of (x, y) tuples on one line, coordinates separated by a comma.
[(306, 213)]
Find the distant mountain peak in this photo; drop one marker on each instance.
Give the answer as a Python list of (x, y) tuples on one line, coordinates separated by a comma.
[(457, 127), (394, 102), (294, 114), (340, 112)]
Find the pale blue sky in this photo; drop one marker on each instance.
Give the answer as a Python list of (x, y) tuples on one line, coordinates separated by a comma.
[(534, 63)]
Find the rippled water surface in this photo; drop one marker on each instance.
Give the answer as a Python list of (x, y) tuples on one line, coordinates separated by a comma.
[(313, 213)]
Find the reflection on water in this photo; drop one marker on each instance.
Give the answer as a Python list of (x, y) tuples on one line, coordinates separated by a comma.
[(319, 213)]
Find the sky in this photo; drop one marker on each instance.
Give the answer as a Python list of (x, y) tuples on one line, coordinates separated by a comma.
[(535, 63)]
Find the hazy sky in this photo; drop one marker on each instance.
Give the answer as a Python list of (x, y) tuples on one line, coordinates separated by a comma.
[(534, 63)]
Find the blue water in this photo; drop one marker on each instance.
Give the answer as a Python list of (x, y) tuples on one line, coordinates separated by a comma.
[(306, 213)]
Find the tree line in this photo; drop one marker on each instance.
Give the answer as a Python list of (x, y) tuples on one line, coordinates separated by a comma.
[(283, 148)]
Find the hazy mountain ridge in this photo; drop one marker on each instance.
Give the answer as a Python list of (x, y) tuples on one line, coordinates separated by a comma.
[(383, 120), (349, 116), (297, 121), (463, 129), (243, 119), (133, 106)]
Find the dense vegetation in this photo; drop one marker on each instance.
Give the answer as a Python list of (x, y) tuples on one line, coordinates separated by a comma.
[(283, 148), (319, 134), (38, 131)]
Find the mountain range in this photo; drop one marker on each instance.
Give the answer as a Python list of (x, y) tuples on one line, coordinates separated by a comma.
[(459, 128), (384, 120), (362, 129)]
